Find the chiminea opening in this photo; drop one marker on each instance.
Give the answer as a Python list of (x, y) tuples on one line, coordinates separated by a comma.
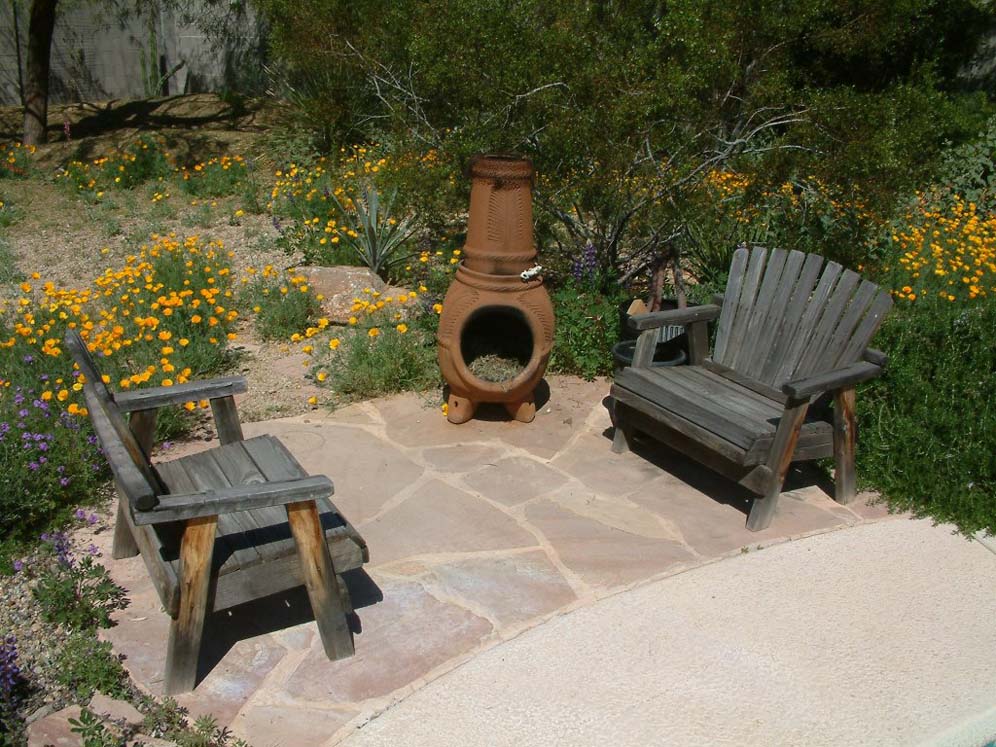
[(496, 343)]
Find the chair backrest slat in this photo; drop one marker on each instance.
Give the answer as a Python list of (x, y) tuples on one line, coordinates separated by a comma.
[(128, 460), (800, 292), (865, 330), (741, 307), (787, 315), (768, 328), (859, 303), (830, 316), (759, 311), (733, 285)]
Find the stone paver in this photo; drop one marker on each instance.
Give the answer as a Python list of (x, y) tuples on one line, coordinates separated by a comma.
[(605, 557), (514, 480), (476, 532), (510, 591), (366, 471), (448, 520), (404, 638), (280, 725)]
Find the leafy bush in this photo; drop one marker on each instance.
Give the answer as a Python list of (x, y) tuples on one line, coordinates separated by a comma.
[(135, 164), (389, 346), (15, 160), (92, 731), (48, 457), (587, 328), (9, 214), (625, 110), (11, 687), (928, 426), (216, 177), (86, 665), (76, 592), (282, 304), (164, 317)]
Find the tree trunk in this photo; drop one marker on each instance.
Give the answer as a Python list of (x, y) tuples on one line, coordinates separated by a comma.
[(40, 29)]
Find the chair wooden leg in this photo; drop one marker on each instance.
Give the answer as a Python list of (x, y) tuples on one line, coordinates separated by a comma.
[(124, 542), (622, 439), (320, 579), (779, 460), (186, 631), (844, 439)]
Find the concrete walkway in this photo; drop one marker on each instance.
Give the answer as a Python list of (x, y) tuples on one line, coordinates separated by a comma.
[(878, 635), (495, 537)]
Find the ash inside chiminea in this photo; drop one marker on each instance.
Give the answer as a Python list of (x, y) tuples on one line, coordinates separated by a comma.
[(496, 343)]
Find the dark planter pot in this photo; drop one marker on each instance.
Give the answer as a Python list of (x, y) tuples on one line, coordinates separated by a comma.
[(666, 333), (671, 353)]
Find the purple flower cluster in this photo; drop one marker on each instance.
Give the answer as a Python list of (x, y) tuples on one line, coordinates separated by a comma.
[(10, 672), (585, 267), (60, 546), (83, 516)]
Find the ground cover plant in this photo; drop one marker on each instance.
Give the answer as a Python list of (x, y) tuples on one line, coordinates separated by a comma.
[(163, 317), (139, 162), (929, 426)]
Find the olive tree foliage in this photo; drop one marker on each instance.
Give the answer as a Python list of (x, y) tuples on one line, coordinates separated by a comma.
[(626, 106)]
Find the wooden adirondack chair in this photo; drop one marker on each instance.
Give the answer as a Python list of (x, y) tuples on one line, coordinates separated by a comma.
[(788, 334), (221, 527)]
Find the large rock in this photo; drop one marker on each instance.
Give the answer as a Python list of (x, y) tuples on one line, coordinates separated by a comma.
[(339, 286), (116, 710), (55, 730)]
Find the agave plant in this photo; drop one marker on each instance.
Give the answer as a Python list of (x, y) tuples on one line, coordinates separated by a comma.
[(370, 230)]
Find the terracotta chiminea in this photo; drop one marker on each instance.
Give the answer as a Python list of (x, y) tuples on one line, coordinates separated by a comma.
[(490, 311)]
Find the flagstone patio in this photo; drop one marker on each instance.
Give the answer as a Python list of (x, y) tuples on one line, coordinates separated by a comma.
[(477, 533)]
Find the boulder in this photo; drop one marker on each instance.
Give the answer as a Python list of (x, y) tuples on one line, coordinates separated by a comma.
[(115, 710), (339, 286), (55, 729)]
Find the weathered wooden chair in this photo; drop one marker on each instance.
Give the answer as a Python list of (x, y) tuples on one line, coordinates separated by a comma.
[(788, 335), (224, 526)]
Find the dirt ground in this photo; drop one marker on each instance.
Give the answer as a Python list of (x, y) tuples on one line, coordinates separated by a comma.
[(62, 237)]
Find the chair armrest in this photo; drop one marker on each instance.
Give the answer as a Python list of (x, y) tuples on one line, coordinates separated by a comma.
[(233, 499), (156, 397), (706, 312), (876, 356), (837, 379)]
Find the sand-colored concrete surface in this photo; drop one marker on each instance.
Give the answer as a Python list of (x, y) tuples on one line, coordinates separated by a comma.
[(881, 634), (477, 534)]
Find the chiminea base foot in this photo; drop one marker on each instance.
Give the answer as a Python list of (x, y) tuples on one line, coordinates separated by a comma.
[(459, 409), (523, 411)]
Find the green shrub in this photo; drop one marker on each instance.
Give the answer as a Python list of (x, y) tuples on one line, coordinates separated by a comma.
[(625, 110), (76, 592), (389, 346), (92, 731), (9, 214), (928, 426), (163, 318), (282, 305), (86, 665), (383, 360), (15, 160), (586, 329), (135, 164), (216, 177)]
